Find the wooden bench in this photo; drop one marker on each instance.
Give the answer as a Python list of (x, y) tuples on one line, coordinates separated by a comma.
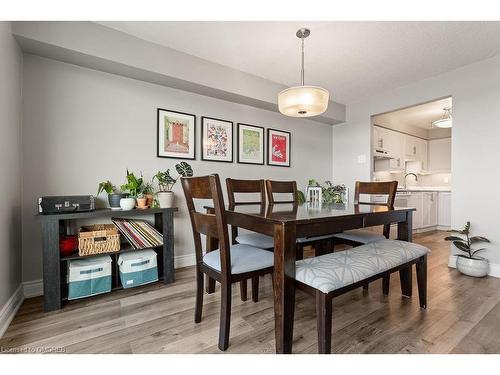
[(331, 275)]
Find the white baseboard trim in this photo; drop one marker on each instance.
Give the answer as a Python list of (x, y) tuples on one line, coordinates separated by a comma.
[(10, 308), (184, 260), (35, 288), (494, 267)]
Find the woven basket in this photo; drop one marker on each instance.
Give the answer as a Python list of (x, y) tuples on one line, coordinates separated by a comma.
[(98, 239)]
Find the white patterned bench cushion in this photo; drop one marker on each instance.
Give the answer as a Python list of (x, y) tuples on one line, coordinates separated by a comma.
[(244, 258), (336, 270), (360, 235)]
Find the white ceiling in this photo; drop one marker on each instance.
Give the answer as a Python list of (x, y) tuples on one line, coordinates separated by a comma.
[(351, 59), (420, 116)]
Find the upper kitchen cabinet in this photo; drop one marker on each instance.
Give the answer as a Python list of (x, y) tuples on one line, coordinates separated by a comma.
[(416, 150), (388, 150), (440, 155)]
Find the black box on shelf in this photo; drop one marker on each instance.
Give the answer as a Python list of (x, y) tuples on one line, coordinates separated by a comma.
[(65, 204)]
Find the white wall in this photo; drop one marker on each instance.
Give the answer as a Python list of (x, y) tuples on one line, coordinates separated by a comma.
[(10, 145), (82, 126), (475, 154)]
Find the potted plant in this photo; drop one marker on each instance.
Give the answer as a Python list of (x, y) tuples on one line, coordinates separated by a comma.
[(133, 187), (142, 201), (469, 263), (148, 192), (114, 195), (166, 182)]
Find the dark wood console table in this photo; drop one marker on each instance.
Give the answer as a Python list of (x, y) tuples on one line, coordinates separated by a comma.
[(55, 266)]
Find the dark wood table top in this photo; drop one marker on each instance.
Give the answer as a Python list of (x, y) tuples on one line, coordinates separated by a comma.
[(304, 213)]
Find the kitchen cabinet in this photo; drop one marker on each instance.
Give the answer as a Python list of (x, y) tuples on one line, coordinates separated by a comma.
[(444, 210), (415, 149), (414, 200), (440, 155), (429, 209), (388, 150)]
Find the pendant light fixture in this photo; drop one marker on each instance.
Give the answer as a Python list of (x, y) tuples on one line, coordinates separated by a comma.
[(446, 121), (303, 101)]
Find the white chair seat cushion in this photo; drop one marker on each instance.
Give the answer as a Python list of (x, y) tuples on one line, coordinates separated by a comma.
[(244, 258), (313, 239), (256, 239), (360, 235), (336, 270)]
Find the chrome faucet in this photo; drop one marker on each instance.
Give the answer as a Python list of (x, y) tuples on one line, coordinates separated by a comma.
[(410, 174)]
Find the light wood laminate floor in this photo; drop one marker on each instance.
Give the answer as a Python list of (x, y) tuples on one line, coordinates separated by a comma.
[(463, 317)]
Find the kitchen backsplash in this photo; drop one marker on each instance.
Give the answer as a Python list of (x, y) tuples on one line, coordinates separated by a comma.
[(435, 179)]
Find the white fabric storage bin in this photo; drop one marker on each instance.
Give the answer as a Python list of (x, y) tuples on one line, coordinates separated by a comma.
[(138, 268), (88, 277)]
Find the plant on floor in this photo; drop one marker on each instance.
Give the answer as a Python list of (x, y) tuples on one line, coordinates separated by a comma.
[(469, 263), (465, 244)]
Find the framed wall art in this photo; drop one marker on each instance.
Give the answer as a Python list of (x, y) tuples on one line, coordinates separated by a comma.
[(216, 140), (176, 134), (250, 144), (278, 146)]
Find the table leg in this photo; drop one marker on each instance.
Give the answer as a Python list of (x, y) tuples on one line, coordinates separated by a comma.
[(405, 233), (405, 228), (51, 266), (284, 285)]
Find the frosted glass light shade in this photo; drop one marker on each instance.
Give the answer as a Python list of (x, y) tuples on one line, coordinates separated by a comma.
[(443, 123), (303, 101)]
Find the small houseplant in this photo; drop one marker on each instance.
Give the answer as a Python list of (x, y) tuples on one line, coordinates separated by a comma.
[(133, 187), (330, 193), (468, 262), (114, 195), (148, 191), (166, 182)]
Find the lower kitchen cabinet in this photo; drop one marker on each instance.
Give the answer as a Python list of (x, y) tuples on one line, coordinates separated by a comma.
[(429, 209), (444, 210)]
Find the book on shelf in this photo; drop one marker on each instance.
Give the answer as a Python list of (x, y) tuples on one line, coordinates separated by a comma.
[(139, 233)]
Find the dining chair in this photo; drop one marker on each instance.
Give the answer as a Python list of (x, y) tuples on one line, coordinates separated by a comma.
[(229, 263), (358, 237), (321, 244), (253, 188)]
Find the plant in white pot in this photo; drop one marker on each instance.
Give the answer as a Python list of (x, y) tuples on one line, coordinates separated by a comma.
[(133, 188), (166, 182), (469, 263)]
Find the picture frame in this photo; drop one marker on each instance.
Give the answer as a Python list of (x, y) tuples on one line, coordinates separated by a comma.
[(176, 134), (216, 140), (278, 148), (251, 143)]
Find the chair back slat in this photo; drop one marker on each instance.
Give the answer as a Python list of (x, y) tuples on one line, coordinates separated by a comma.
[(213, 225), (281, 187), (206, 224), (378, 188), (245, 186)]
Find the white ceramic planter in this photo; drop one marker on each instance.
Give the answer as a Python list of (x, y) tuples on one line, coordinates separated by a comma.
[(473, 267), (127, 203), (166, 199)]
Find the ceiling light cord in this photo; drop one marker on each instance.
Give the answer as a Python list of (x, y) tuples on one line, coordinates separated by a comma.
[(302, 69)]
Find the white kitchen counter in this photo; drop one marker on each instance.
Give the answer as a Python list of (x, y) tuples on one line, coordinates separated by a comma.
[(426, 188)]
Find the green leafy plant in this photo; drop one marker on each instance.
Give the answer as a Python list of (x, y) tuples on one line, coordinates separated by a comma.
[(166, 182), (330, 193), (465, 244), (301, 198), (106, 186), (133, 186), (148, 189)]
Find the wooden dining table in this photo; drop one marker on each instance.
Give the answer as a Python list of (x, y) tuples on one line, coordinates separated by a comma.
[(286, 222)]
